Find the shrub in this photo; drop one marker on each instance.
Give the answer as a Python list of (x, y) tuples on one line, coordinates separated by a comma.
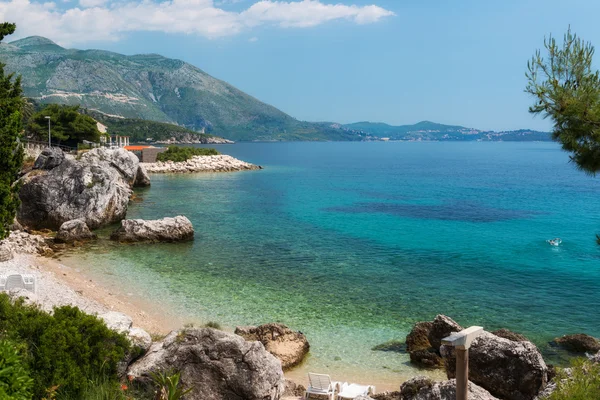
[(15, 383), (65, 349), (178, 154), (213, 324), (582, 383), (168, 385)]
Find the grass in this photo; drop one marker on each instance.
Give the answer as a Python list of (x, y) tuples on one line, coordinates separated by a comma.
[(582, 383)]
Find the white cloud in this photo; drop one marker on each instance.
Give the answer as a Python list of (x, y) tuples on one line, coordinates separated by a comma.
[(253, 39), (101, 20)]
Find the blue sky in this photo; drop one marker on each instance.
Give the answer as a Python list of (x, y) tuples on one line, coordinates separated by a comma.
[(396, 61)]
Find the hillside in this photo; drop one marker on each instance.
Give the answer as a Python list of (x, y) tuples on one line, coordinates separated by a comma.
[(152, 87)]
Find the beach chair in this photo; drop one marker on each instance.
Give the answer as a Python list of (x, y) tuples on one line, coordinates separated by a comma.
[(353, 390), (18, 281), (321, 385)]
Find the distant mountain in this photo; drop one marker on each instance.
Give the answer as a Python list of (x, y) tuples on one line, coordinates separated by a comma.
[(426, 130), (152, 87)]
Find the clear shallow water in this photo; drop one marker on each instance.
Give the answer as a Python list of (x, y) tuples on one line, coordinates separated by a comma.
[(352, 243)]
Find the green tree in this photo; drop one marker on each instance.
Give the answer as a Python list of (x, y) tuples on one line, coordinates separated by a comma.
[(11, 152), (567, 90), (68, 126)]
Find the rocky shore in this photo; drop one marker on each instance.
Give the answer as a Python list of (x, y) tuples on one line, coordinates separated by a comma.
[(220, 163)]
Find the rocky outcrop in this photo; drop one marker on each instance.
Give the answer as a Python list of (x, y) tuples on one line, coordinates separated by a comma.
[(74, 230), (418, 338), (507, 369), (292, 389), (6, 252), (594, 357), (424, 340), (25, 243), (289, 346), (141, 178), (219, 163), (387, 396), (95, 188), (506, 334), (117, 321), (162, 230), (216, 365), (442, 327), (49, 158), (423, 388), (579, 343)]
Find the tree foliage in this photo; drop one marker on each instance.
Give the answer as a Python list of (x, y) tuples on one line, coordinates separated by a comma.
[(567, 90), (176, 153), (11, 152), (67, 125), (15, 382)]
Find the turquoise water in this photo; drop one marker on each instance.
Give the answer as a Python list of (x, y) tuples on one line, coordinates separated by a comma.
[(352, 243)]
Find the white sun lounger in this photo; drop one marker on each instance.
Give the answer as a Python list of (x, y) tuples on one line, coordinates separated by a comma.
[(17, 281), (352, 391), (321, 385)]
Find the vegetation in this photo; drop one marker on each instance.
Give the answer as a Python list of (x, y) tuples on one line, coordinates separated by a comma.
[(567, 90), (168, 386), (68, 125), (11, 153), (176, 153), (65, 350), (15, 382), (582, 383)]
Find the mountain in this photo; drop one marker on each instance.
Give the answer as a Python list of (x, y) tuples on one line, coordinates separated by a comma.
[(152, 87), (426, 130)]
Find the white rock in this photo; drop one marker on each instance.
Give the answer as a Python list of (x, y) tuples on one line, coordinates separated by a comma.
[(117, 321)]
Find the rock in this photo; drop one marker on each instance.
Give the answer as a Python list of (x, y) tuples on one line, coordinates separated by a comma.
[(287, 345), (579, 343), (73, 230), (441, 327), (216, 365), (162, 230), (292, 389), (49, 158), (393, 345), (507, 369), (506, 334), (594, 357), (386, 396), (25, 243), (141, 178), (140, 338), (218, 163), (6, 252), (418, 338), (95, 188), (427, 358), (15, 226), (117, 321), (423, 388), (27, 296)]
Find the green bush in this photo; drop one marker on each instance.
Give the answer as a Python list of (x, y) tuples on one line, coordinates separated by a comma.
[(15, 383), (65, 349), (178, 154), (583, 383)]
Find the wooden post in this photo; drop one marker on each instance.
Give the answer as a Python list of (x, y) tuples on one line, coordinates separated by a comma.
[(461, 342)]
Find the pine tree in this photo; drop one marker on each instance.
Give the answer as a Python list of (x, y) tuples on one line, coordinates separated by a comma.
[(11, 151)]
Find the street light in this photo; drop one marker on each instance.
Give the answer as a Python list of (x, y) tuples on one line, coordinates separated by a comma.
[(49, 137)]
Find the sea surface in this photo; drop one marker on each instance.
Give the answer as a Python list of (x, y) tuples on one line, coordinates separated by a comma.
[(352, 243)]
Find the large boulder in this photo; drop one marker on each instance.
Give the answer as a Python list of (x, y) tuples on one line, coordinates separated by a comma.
[(141, 178), (49, 158), (74, 230), (507, 369), (506, 334), (287, 345), (162, 230), (423, 388), (216, 365), (95, 188), (442, 327), (117, 321), (418, 338), (579, 343)]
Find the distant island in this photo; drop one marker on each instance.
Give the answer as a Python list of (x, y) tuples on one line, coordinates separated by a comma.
[(151, 87)]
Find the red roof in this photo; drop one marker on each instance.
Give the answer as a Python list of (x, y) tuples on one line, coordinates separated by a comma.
[(135, 148)]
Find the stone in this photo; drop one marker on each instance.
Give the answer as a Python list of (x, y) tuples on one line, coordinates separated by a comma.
[(140, 338), (6, 252), (507, 369), (594, 357), (423, 388), (289, 346), (15, 226), (218, 163), (95, 188), (418, 338), (74, 230), (579, 343), (27, 296), (117, 321), (141, 178), (441, 327), (387, 396), (162, 230), (24, 243), (49, 158), (427, 358), (292, 389), (215, 365), (506, 334)]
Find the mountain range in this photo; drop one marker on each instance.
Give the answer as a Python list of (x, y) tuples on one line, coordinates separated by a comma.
[(156, 88)]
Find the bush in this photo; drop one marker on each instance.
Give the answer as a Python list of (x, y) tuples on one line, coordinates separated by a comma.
[(582, 383), (178, 154), (15, 383), (65, 349)]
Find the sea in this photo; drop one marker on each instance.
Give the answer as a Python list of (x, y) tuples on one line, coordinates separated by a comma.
[(352, 243)]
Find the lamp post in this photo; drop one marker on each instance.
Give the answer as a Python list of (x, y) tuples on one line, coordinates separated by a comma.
[(49, 137), (461, 342)]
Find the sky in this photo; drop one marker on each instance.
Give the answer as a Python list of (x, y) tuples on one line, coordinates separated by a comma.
[(459, 62)]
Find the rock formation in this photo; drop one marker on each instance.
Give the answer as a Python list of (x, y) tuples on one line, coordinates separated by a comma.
[(95, 188), (74, 230), (507, 369), (289, 346), (49, 158), (162, 230), (423, 388), (216, 365), (24, 243), (506, 334), (424, 340), (219, 163), (579, 343)]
